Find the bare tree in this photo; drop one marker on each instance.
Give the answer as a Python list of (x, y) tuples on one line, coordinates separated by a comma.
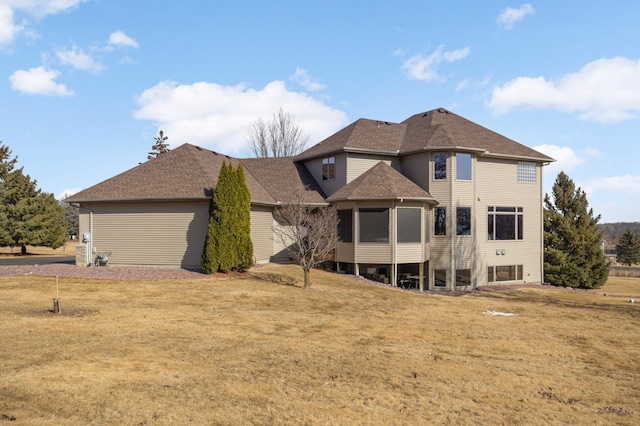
[(310, 233), (281, 137)]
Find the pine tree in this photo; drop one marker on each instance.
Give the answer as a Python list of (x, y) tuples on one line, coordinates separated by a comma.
[(628, 248), (572, 254), (160, 147)]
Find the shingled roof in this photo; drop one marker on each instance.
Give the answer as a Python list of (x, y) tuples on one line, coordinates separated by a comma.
[(381, 182), (283, 179), (187, 172), (431, 130)]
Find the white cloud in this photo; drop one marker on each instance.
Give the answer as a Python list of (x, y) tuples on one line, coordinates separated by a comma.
[(118, 38), (217, 116), (304, 79), (510, 16), (627, 184), (605, 90), (79, 60), (38, 9), (425, 68), (462, 85), (67, 193), (38, 81), (566, 158)]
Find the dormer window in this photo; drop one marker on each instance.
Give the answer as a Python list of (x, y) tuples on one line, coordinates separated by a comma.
[(329, 168)]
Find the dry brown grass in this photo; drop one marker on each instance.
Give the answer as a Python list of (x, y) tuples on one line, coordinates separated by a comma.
[(238, 350), (68, 249)]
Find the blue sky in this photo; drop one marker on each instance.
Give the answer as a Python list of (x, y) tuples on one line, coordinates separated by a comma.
[(85, 85)]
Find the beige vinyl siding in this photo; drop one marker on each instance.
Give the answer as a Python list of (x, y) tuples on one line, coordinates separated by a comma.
[(409, 253), (167, 234), (500, 187), (416, 168), (329, 186), (357, 164), (280, 252), (345, 252), (262, 233)]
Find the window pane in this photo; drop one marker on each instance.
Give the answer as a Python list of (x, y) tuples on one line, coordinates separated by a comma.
[(463, 277), (328, 168), (505, 273), (345, 225), (505, 227), (463, 166), (374, 225), (440, 278), (490, 274), (527, 172), (463, 221), (439, 165), (491, 235), (409, 225), (520, 226), (440, 221), (519, 277)]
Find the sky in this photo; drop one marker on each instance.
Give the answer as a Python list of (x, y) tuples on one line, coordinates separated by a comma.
[(85, 85)]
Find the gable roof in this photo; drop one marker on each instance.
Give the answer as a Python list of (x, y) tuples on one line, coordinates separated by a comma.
[(186, 172), (431, 130), (283, 179), (381, 182)]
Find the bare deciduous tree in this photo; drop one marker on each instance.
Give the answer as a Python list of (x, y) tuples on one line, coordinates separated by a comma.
[(281, 137), (310, 233)]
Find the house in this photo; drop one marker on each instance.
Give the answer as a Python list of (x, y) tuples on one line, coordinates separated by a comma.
[(436, 201)]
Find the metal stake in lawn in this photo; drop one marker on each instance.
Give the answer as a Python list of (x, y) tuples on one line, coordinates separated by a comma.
[(56, 300)]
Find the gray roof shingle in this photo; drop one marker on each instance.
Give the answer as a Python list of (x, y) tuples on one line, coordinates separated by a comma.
[(187, 172), (431, 130), (381, 182)]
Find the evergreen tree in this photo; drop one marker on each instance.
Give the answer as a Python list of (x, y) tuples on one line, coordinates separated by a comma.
[(242, 224), (228, 243), (628, 248), (160, 147), (28, 216), (572, 254)]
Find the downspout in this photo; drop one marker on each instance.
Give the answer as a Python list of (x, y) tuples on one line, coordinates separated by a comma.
[(541, 226)]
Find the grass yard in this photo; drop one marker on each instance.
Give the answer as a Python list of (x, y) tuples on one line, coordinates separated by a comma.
[(240, 350)]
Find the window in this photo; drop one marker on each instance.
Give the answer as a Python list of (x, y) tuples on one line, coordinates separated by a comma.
[(504, 273), (440, 221), (374, 225), (329, 168), (526, 172), (440, 277), (409, 225), (463, 166), (505, 223), (439, 166), (463, 221), (345, 225), (463, 277)]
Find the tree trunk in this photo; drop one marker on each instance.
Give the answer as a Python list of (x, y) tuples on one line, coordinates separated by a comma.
[(307, 278), (23, 250)]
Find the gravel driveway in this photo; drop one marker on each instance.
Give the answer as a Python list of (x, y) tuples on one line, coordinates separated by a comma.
[(103, 272)]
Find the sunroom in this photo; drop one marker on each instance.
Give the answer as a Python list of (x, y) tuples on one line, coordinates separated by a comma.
[(383, 228)]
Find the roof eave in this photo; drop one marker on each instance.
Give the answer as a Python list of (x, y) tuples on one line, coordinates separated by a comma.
[(519, 157)]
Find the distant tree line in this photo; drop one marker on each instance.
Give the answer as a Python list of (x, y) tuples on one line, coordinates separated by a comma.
[(28, 216)]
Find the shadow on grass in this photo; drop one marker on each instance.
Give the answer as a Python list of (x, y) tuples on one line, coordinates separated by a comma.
[(564, 299)]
